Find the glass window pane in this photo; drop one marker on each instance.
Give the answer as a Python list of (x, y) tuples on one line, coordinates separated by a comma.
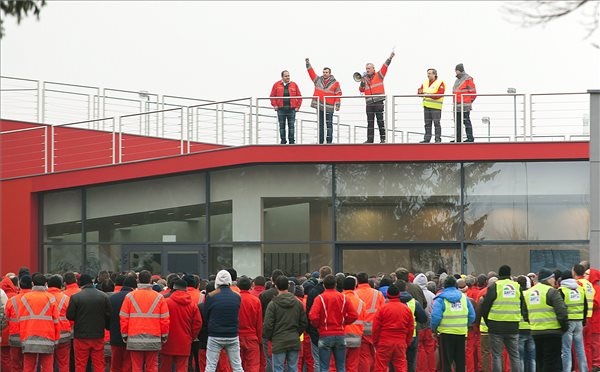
[(220, 257), (416, 201), (63, 258), (524, 258), (62, 216), (296, 259), (168, 209), (301, 219), (246, 187), (415, 259), (527, 201), (103, 257)]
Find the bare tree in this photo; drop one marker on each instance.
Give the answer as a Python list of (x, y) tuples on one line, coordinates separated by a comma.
[(19, 9), (541, 12)]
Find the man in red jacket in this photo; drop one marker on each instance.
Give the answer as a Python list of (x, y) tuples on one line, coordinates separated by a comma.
[(285, 106), (326, 93), (329, 313), (593, 275), (371, 86), (463, 85), (250, 331), (184, 324), (393, 327)]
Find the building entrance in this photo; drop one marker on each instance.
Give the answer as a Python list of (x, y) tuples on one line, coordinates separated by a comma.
[(163, 259), (384, 258)]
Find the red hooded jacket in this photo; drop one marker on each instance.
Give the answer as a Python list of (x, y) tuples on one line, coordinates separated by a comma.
[(185, 323), (11, 290), (393, 323), (594, 321)]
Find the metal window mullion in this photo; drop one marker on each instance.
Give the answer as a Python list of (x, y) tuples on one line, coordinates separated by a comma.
[(463, 248), (337, 259)]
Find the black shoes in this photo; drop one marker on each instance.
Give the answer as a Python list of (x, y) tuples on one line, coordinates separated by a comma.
[(424, 141), (470, 140)]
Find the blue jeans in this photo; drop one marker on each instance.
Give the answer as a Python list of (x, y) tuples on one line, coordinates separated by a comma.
[(527, 353), (269, 366), (326, 116), (314, 350), (289, 115), (214, 346), (335, 345), (290, 358), (573, 335)]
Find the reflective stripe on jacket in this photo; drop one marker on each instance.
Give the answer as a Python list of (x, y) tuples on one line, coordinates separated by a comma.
[(373, 85), (507, 305), (455, 318), (38, 321), (278, 91), (373, 300), (541, 316), (434, 88), (354, 331), (322, 90), (589, 295), (144, 319), (464, 85), (62, 300), (574, 299)]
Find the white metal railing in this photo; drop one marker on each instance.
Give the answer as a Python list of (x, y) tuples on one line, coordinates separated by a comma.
[(183, 121)]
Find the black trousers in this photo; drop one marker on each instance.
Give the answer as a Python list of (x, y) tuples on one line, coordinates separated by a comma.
[(452, 351), (375, 110), (433, 116), (464, 118), (547, 353)]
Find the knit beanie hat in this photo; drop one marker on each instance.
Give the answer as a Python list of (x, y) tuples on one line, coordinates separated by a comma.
[(393, 291), (460, 67), (223, 278), (545, 274)]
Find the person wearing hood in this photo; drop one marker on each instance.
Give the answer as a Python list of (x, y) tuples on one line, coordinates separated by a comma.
[(184, 324), (426, 342), (451, 316), (502, 309), (221, 310), (393, 331), (593, 276), (420, 317), (10, 289), (548, 318), (326, 93), (285, 320), (574, 296), (463, 85), (12, 309)]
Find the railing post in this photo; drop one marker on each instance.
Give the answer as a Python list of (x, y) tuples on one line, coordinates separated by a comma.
[(394, 119), (594, 177), (52, 149), (114, 145), (43, 116), (182, 130), (120, 141), (46, 139)]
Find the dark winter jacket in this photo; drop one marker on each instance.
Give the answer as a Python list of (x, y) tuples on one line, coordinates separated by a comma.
[(284, 322), (420, 315), (90, 310), (314, 292), (116, 301), (221, 310)]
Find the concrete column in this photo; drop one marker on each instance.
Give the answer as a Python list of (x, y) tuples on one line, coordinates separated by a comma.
[(594, 177)]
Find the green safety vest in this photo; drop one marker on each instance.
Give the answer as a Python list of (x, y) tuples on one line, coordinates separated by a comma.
[(574, 300), (590, 292), (483, 328), (455, 317), (541, 316), (507, 306), (524, 325), (412, 305), (434, 103)]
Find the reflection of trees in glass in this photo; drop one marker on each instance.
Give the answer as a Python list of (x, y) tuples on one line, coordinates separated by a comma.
[(405, 201), (477, 173)]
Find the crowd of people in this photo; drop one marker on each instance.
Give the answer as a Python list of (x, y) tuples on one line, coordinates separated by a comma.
[(547, 321), (286, 99)]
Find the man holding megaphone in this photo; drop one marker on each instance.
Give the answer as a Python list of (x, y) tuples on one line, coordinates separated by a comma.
[(371, 85)]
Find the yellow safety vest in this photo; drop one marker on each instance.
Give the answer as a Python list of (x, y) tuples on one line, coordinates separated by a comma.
[(574, 300), (483, 328), (434, 103), (412, 305), (541, 316), (507, 306), (524, 325), (590, 292), (455, 318)]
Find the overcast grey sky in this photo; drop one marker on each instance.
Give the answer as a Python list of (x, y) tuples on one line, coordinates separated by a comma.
[(226, 50)]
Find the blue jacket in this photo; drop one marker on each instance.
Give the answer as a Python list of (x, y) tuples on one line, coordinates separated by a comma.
[(452, 294), (221, 310)]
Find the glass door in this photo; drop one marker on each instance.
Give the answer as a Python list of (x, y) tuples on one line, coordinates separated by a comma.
[(164, 259)]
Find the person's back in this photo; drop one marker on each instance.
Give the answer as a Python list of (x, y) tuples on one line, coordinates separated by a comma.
[(120, 360), (144, 332), (89, 309)]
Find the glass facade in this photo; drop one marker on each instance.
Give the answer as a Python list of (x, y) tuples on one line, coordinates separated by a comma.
[(465, 217)]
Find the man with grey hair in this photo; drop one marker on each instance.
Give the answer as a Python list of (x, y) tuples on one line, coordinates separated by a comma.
[(371, 85)]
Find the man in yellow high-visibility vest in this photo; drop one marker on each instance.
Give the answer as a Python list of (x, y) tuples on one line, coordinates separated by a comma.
[(502, 309), (433, 97), (548, 319)]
